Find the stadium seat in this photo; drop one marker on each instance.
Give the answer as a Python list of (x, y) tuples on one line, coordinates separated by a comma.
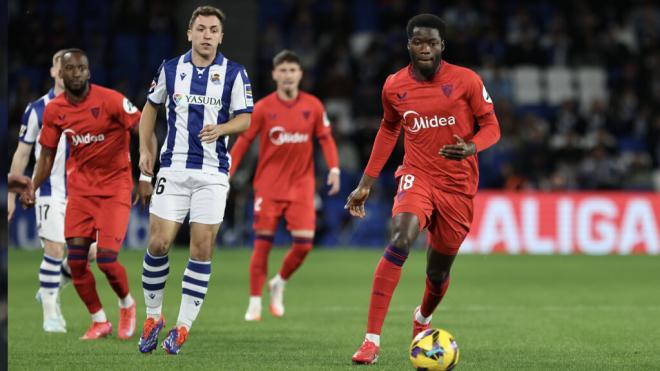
[(559, 85), (592, 85), (527, 85)]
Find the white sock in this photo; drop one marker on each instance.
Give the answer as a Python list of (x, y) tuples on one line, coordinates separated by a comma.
[(194, 286), (99, 316), (126, 302), (49, 283), (373, 338), (278, 280), (255, 301), (155, 270), (421, 319)]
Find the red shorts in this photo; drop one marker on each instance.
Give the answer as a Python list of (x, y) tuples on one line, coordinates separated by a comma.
[(447, 216), (107, 216), (299, 214)]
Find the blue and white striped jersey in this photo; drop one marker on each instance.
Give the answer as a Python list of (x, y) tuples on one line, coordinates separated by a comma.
[(194, 97), (55, 185)]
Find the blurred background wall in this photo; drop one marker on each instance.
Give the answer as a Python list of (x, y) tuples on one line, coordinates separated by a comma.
[(576, 87)]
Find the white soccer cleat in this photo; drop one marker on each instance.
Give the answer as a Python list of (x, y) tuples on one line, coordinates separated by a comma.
[(253, 312), (276, 287), (54, 324)]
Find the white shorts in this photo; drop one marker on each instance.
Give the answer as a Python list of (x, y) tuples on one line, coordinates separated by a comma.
[(50, 218), (178, 192)]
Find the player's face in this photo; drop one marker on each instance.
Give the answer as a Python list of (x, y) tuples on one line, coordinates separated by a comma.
[(425, 49), (287, 75), (206, 35), (75, 72)]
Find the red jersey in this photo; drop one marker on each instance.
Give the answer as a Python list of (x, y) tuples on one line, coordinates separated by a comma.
[(285, 170), (98, 132), (431, 112)]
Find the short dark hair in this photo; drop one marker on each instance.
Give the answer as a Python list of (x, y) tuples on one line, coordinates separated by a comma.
[(426, 20), (206, 10), (286, 56)]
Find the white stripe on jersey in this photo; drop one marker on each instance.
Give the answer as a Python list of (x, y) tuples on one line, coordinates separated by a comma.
[(55, 185)]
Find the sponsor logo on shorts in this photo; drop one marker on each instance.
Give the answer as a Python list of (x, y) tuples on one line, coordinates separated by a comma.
[(414, 122), (78, 139), (279, 136)]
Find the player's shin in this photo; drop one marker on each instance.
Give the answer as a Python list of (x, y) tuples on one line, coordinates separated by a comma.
[(259, 263), (295, 257), (114, 271), (194, 286), (83, 279), (386, 278), (155, 270), (49, 282), (433, 294)]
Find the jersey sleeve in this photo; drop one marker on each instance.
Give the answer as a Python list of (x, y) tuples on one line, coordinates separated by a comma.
[(322, 122), (389, 113), (478, 97), (241, 94), (29, 131), (326, 141), (123, 110), (158, 88), (50, 131)]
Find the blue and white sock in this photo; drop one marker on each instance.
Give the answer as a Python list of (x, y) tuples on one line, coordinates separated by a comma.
[(195, 284), (49, 283), (154, 275)]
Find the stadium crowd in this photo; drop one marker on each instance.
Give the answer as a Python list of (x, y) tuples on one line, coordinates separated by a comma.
[(349, 47)]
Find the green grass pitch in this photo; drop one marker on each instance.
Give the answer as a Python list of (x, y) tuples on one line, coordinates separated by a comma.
[(506, 312)]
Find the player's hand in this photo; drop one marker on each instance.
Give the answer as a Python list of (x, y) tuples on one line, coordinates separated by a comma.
[(11, 206), (143, 195), (210, 133), (28, 197), (333, 182), (356, 200), (458, 151), (146, 164)]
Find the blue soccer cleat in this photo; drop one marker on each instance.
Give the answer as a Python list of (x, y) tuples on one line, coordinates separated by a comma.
[(175, 339), (150, 331)]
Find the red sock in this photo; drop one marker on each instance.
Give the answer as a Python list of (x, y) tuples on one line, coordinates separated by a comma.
[(294, 258), (433, 294), (259, 263), (386, 277), (83, 279), (114, 271)]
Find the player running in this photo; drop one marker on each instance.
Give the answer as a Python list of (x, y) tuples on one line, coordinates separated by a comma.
[(207, 97), (286, 122), (54, 271), (436, 103), (96, 122)]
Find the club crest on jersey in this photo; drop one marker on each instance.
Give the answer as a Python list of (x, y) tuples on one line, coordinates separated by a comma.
[(402, 96), (95, 112), (414, 122), (215, 78), (447, 89), (306, 114), (279, 136), (272, 116)]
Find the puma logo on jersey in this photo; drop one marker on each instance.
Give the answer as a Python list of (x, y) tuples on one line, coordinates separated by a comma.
[(414, 122), (279, 136)]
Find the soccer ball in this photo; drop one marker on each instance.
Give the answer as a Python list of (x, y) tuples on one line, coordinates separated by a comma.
[(434, 350)]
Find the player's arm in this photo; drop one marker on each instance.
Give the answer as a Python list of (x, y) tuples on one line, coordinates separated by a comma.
[(329, 149), (18, 164), (211, 133), (148, 151), (242, 145), (41, 173)]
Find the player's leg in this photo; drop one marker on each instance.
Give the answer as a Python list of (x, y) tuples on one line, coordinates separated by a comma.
[(207, 210), (112, 221), (449, 226), (266, 216)]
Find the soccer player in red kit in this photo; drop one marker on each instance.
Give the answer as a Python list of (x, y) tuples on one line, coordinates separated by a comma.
[(97, 122), (436, 103), (286, 121)]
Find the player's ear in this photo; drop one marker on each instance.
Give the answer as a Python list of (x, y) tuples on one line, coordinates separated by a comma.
[(189, 33), (442, 45)]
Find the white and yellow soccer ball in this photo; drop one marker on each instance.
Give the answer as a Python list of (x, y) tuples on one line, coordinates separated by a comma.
[(434, 350)]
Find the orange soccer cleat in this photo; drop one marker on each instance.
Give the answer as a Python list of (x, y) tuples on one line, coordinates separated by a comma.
[(98, 330), (419, 327), (367, 354), (126, 322)]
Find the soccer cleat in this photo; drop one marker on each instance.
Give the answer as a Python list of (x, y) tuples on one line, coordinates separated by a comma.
[(97, 330), (150, 331), (253, 312), (276, 288), (126, 322), (175, 339), (419, 327), (54, 324), (367, 354)]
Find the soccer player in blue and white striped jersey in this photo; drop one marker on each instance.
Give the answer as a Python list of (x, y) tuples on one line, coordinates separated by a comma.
[(207, 97)]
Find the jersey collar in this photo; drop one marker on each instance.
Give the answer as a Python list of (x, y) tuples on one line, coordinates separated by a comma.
[(437, 74), (219, 58), (51, 93)]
